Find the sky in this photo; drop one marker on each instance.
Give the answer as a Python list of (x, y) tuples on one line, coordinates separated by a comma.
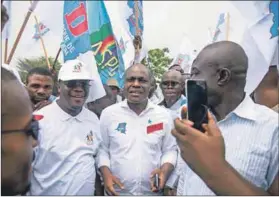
[(166, 23)]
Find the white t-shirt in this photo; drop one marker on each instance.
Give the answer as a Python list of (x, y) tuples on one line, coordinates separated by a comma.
[(64, 163), (135, 145)]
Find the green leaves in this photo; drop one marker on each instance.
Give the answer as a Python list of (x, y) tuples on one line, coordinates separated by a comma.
[(158, 61)]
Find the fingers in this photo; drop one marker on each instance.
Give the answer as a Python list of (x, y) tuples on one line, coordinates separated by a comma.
[(184, 113), (152, 179), (117, 181), (212, 128), (186, 129), (111, 191)]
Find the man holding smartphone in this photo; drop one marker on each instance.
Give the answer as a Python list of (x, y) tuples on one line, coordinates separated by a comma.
[(238, 154), (136, 140)]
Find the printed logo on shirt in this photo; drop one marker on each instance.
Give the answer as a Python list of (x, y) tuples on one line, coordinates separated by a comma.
[(89, 138), (121, 127), (154, 127), (149, 121)]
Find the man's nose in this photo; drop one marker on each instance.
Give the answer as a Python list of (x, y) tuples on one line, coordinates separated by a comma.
[(136, 83), (41, 90)]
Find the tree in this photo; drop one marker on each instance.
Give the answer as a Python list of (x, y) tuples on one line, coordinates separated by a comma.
[(25, 65), (158, 61)]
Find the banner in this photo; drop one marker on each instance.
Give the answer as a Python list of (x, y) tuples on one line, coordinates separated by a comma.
[(103, 43)]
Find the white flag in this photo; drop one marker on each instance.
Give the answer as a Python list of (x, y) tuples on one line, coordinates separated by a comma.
[(122, 21), (221, 28), (186, 54), (260, 39), (7, 29)]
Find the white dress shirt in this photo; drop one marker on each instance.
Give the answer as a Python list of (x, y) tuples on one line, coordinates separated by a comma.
[(251, 141), (64, 163), (135, 145)]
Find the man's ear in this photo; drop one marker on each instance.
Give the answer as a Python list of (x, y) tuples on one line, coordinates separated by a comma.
[(224, 76)]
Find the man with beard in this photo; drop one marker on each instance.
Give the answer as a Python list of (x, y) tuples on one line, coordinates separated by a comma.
[(238, 154), (136, 140), (69, 138), (19, 133), (172, 85), (39, 83)]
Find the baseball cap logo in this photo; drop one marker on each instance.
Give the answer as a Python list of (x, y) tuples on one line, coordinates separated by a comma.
[(77, 68)]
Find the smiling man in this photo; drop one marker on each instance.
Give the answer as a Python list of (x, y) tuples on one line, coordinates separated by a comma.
[(136, 140), (69, 139)]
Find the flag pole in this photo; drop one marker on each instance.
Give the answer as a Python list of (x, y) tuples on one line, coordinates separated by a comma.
[(56, 58), (227, 26), (41, 39), (137, 48), (30, 10), (6, 50)]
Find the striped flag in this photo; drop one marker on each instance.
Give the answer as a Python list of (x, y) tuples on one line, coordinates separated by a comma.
[(104, 44)]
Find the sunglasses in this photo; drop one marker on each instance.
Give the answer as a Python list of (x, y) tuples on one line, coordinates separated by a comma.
[(76, 83), (166, 84), (33, 130)]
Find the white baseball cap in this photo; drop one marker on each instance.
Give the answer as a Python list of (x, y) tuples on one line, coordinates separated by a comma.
[(74, 70)]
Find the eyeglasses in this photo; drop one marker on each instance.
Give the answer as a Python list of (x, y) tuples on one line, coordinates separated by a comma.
[(33, 130), (166, 84), (75, 83)]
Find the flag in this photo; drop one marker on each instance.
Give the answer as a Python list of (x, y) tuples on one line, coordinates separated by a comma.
[(125, 30), (220, 30), (260, 40), (76, 42), (103, 43), (186, 54), (7, 29)]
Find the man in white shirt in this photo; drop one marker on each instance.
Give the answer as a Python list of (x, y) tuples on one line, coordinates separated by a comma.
[(68, 140), (238, 155), (136, 140)]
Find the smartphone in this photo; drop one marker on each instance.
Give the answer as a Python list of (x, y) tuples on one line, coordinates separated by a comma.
[(196, 91), (157, 181)]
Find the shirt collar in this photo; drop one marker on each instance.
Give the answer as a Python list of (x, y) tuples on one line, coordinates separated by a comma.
[(65, 116), (181, 101), (246, 109), (149, 106)]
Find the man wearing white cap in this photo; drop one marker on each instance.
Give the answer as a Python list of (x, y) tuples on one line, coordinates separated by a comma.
[(69, 138)]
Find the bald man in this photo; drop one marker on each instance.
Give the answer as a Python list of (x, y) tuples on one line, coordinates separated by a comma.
[(18, 133), (172, 85), (238, 155), (267, 91)]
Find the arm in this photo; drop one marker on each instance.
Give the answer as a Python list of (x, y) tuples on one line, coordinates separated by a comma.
[(210, 164), (229, 182)]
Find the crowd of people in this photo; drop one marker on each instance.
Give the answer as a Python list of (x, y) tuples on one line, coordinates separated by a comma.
[(129, 142)]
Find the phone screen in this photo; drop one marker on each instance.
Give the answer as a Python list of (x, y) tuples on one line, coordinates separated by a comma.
[(197, 103)]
